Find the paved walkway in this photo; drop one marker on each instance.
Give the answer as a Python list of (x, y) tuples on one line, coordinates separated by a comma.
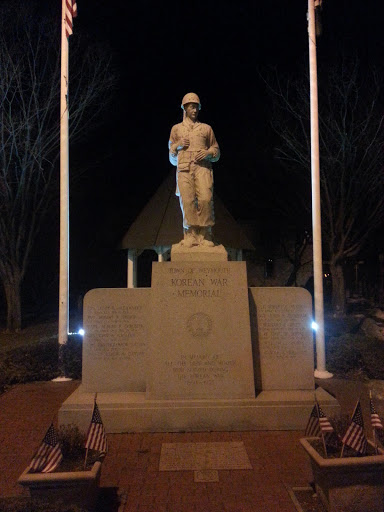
[(132, 464)]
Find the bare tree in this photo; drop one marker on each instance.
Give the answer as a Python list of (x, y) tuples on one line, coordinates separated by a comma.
[(29, 129), (351, 156)]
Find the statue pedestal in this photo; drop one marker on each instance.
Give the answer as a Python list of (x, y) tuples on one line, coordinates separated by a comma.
[(200, 334), (180, 253)]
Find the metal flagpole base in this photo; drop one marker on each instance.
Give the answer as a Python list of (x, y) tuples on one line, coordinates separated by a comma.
[(323, 374), (61, 364)]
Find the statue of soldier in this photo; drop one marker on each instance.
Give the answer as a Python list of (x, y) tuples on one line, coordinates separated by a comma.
[(193, 148)]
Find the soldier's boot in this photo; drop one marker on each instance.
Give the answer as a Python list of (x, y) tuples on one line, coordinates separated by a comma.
[(204, 236), (190, 237)]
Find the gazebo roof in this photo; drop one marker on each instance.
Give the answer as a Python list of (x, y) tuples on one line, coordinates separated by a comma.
[(160, 222)]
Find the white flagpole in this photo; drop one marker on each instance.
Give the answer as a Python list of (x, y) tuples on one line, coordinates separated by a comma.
[(64, 200), (320, 371), (321, 430), (354, 410)]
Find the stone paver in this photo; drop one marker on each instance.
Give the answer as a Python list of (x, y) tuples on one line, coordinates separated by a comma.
[(133, 460)]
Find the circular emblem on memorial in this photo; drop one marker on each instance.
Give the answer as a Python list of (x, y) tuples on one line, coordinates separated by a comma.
[(199, 325)]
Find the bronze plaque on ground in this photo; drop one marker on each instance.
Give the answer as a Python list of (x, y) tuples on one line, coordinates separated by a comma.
[(201, 456)]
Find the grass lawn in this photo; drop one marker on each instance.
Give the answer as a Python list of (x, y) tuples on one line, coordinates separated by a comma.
[(31, 335)]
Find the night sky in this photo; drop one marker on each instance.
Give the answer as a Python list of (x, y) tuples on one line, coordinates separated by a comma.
[(163, 50), (216, 49)]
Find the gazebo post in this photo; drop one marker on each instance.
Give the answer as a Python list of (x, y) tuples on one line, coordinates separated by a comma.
[(132, 269), (161, 251)]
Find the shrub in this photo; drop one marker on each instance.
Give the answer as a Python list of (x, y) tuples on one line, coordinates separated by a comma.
[(72, 441), (355, 356), (39, 361)]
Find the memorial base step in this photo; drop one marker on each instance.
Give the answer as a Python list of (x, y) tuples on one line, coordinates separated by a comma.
[(132, 412)]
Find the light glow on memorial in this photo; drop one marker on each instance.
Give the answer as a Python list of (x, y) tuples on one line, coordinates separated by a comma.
[(81, 332), (314, 326)]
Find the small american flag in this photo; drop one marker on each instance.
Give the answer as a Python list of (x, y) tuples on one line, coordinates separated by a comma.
[(325, 425), (375, 419), (354, 436), (313, 425), (96, 438), (70, 13), (48, 455)]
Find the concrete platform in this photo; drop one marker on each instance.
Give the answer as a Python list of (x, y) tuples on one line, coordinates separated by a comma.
[(132, 412), (201, 253)]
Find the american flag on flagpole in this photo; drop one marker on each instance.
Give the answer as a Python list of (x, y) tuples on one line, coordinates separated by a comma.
[(313, 425), (96, 438), (48, 455), (375, 418), (354, 436), (325, 425), (70, 13)]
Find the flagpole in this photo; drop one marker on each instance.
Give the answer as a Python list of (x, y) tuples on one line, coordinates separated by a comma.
[(64, 200), (321, 430), (86, 457), (373, 428), (320, 371), (86, 453)]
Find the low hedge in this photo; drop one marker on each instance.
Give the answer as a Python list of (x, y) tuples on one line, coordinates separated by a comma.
[(40, 361), (355, 356), (348, 355)]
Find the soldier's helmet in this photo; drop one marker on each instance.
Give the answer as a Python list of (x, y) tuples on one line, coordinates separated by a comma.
[(191, 97)]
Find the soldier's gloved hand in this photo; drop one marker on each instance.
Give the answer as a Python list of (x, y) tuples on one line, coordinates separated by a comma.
[(201, 155)]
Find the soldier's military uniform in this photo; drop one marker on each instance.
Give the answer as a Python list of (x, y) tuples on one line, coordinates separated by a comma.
[(194, 179)]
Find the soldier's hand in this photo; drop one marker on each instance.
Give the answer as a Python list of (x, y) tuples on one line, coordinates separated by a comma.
[(184, 142), (201, 155)]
